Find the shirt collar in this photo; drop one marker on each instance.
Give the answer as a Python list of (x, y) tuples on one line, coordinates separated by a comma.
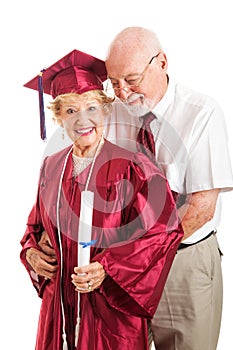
[(166, 100)]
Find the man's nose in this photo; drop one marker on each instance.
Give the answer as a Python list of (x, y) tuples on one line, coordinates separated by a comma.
[(123, 91)]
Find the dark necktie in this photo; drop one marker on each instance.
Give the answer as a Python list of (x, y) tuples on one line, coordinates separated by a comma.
[(145, 139)]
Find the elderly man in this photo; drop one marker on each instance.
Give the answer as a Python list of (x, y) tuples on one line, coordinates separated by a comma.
[(191, 149)]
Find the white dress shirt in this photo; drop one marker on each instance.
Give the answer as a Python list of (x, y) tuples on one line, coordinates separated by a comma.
[(191, 144)]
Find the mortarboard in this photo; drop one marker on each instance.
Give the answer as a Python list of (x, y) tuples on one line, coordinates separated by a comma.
[(75, 72)]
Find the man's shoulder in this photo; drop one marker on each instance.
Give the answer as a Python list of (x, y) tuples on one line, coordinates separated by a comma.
[(194, 97)]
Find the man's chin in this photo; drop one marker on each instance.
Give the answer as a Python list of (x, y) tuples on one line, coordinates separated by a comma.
[(136, 110)]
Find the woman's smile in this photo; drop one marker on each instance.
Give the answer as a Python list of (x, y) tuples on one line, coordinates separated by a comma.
[(84, 131)]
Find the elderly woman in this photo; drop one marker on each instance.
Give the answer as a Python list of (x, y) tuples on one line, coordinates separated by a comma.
[(106, 303)]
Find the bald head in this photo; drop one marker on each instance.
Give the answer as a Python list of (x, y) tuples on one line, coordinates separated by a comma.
[(134, 42)]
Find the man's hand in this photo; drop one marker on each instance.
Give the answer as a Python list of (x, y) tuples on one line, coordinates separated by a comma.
[(44, 265), (45, 245), (44, 262)]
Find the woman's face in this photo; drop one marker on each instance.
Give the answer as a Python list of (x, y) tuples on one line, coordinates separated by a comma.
[(83, 120)]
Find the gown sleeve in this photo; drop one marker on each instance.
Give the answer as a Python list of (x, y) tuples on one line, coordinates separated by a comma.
[(30, 239), (137, 267)]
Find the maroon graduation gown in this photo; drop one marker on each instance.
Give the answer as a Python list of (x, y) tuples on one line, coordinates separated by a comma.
[(136, 227)]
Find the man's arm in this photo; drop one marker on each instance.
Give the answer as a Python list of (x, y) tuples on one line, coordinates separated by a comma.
[(198, 210)]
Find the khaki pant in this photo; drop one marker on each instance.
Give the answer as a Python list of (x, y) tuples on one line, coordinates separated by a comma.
[(189, 314)]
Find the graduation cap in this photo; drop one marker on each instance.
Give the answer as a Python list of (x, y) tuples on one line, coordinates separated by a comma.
[(76, 72)]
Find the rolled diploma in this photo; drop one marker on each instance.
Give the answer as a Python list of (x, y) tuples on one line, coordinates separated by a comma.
[(85, 227)]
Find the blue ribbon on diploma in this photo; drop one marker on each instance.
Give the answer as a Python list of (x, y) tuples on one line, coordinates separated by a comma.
[(88, 244)]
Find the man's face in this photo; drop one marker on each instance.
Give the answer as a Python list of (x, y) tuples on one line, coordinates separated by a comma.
[(139, 85)]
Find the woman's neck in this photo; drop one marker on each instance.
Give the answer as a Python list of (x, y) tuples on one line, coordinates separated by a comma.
[(88, 151)]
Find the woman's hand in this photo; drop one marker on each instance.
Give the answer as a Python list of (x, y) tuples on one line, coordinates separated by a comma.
[(87, 278)]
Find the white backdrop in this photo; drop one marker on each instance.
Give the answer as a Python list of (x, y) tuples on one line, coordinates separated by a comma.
[(197, 38)]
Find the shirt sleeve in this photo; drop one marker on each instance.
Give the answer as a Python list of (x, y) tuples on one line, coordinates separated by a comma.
[(209, 159)]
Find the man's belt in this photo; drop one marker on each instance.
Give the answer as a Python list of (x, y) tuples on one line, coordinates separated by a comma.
[(183, 245)]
